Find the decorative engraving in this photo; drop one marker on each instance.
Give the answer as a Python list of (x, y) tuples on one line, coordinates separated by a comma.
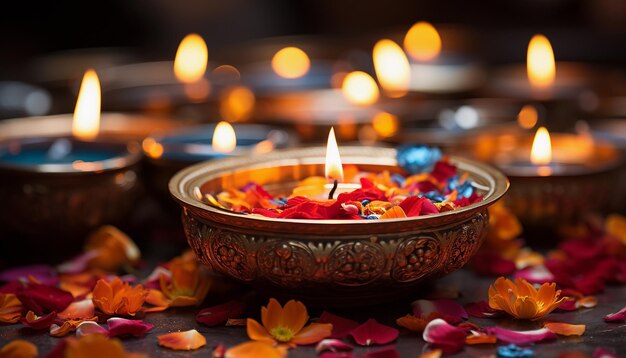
[(415, 258), (466, 242), (286, 263), (356, 263)]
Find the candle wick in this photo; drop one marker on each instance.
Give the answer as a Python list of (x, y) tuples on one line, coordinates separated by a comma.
[(332, 191)]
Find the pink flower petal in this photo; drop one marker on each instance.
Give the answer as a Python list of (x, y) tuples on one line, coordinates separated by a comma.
[(341, 326), (43, 299), (570, 304), (153, 280), (491, 263), (372, 332), (386, 352), (337, 355), (77, 264), (89, 327), (618, 316), (79, 310), (535, 274), (44, 274), (481, 309), (448, 309), (128, 327), (216, 315), (333, 345), (43, 322), (445, 336), (603, 353), (521, 337)]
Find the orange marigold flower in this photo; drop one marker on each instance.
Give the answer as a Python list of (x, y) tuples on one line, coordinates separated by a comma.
[(286, 325), (19, 349), (10, 308), (503, 224), (188, 285), (118, 298), (97, 345), (521, 300)]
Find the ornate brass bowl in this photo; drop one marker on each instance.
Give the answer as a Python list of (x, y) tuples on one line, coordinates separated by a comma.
[(331, 262)]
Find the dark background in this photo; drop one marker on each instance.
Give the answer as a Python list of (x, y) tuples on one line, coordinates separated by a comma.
[(591, 30)]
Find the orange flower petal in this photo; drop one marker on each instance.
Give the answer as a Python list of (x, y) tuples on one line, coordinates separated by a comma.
[(19, 349), (436, 353), (67, 327), (157, 299), (270, 315), (79, 309), (294, 316), (184, 301), (313, 333), (394, 213), (587, 302), (114, 248), (256, 332), (565, 329), (10, 308), (481, 338), (184, 341), (87, 346), (256, 349), (118, 298), (526, 308), (412, 323)]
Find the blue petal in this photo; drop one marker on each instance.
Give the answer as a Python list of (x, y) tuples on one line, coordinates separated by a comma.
[(418, 159)]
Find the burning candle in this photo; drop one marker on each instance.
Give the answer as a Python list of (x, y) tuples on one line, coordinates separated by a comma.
[(78, 182)]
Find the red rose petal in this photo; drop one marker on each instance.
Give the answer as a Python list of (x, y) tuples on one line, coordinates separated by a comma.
[(603, 353), (216, 315), (521, 337), (36, 322), (337, 355), (569, 304), (448, 309), (332, 345), (372, 332), (128, 327), (78, 264), (42, 299), (341, 326), (489, 263), (445, 336), (387, 352), (618, 316), (535, 274), (481, 309)]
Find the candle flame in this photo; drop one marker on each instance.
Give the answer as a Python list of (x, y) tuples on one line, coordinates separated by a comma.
[(333, 167), (422, 42), (541, 152), (540, 65), (360, 88), (86, 123), (385, 124), (392, 68), (291, 62), (191, 59), (224, 138)]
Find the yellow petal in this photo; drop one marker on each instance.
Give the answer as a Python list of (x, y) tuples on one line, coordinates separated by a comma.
[(255, 350), (19, 349), (184, 341)]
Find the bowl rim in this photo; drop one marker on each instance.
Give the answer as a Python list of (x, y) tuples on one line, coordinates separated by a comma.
[(179, 183)]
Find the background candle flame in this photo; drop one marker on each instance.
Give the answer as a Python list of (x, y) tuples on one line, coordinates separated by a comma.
[(333, 167), (291, 62), (540, 64), (360, 88), (224, 138), (191, 59), (541, 152), (392, 68), (86, 122), (527, 117), (422, 42)]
